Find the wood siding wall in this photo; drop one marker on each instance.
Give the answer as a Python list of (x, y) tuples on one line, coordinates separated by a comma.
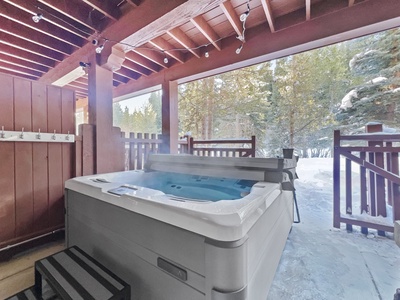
[(32, 174)]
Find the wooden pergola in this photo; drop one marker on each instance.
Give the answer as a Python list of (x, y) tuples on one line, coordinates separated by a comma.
[(149, 43)]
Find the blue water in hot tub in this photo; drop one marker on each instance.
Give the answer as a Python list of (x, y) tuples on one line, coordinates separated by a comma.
[(195, 186)]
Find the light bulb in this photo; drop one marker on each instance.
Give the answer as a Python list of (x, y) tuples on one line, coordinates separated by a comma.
[(99, 49), (238, 50), (207, 55), (165, 60), (37, 18), (244, 16)]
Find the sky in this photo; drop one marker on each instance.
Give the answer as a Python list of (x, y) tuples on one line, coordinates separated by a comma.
[(325, 263)]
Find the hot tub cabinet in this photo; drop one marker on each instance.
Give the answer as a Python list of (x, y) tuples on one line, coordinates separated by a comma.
[(177, 248)]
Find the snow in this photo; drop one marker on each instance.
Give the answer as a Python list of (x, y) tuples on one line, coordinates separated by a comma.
[(379, 79), (346, 101), (322, 262)]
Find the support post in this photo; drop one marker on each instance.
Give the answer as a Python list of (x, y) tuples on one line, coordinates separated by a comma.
[(336, 179), (169, 117)]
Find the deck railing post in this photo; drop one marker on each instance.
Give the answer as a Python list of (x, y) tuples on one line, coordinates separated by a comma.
[(336, 179)]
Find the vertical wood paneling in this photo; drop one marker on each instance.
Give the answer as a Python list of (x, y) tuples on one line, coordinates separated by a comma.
[(68, 125), (40, 162), (87, 149), (7, 198), (23, 158), (56, 201)]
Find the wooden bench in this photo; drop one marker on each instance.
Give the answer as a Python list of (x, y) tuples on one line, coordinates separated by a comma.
[(73, 274)]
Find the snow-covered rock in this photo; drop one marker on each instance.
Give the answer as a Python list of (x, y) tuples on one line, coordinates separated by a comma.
[(346, 101)]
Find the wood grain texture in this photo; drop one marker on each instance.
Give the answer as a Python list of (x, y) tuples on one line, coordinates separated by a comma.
[(23, 159), (7, 202)]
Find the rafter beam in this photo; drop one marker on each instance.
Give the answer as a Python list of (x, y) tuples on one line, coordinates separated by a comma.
[(35, 37), (207, 31), (136, 68), (153, 55), (266, 4), (19, 53), (233, 18), (140, 60), (22, 63), (127, 73), (163, 45), (20, 70), (32, 8), (105, 8), (134, 3), (24, 18), (120, 78), (308, 10), (13, 73), (39, 50), (179, 36)]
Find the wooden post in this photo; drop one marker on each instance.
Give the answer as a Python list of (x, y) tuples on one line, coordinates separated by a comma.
[(336, 179), (169, 104), (253, 146), (363, 191), (349, 204)]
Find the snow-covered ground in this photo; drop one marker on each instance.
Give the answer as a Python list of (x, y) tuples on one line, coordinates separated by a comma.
[(321, 262)]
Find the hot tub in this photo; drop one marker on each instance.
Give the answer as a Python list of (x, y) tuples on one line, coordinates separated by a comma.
[(188, 227)]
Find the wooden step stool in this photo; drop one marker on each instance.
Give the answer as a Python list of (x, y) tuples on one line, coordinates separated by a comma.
[(73, 275)]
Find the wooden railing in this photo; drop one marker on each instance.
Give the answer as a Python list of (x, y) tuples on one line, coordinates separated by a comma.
[(226, 148), (139, 145), (378, 179)]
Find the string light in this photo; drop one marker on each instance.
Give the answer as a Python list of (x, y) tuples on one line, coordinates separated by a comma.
[(36, 18), (206, 54), (238, 50)]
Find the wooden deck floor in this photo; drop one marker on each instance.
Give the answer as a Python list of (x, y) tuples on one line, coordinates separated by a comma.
[(17, 274)]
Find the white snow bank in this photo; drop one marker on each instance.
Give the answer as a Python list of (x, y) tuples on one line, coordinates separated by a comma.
[(346, 101)]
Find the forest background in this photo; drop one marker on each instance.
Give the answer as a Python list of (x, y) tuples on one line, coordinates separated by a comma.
[(295, 101)]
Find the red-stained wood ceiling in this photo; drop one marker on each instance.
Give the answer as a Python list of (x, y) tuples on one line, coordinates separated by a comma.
[(148, 31)]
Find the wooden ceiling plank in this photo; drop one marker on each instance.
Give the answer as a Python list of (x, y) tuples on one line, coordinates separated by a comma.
[(79, 85), (105, 8), (33, 36), (24, 18), (153, 55), (202, 25), (120, 78), (165, 46), (6, 66), (21, 44), (136, 68), (31, 8), (26, 56), (308, 10), (127, 73), (268, 13), (232, 17), (23, 63), (76, 88), (140, 60), (116, 83), (78, 14), (179, 36), (351, 2)]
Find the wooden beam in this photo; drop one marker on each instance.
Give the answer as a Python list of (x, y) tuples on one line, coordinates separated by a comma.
[(120, 78), (135, 67), (179, 36), (153, 55), (134, 3), (77, 13), (338, 26), (12, 13), (127, 73), (106, 8), (32, 8), (17, 71), (19, 53), (351, 2), (13, 41), (210, 34), (119, 31), (233, 18), (268, 13), (163, 45), (308, 10), (169, 117), (140, 60), (22, 63), (34, 36)]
